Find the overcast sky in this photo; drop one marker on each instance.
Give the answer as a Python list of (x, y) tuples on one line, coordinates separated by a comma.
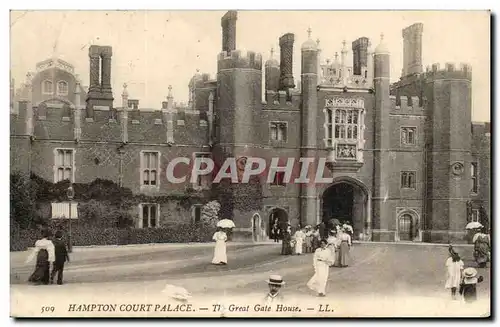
[(152, 49)]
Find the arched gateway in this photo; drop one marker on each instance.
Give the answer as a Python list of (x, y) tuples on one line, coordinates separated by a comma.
[(348, 199)]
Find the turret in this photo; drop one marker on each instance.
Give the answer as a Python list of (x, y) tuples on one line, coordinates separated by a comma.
[(309, 128), (343, 63), (238, 112), (449, 95), (272, 74), (381, 158)]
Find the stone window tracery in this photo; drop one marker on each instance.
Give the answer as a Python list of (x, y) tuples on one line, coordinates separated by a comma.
[(62, 88), (47, 87), (344, 128)]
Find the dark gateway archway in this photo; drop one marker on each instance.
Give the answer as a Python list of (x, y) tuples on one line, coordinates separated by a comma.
[(279, 216), (346, 201)]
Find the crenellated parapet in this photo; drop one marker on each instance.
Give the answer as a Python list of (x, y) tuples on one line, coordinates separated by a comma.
[(407, 104), (448, 71), (282, 101), (239, 59)]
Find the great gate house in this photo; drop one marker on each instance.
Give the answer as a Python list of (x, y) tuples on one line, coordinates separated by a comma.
[(407, 162)]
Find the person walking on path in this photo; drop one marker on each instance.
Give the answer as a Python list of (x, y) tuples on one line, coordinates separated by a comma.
[(61, 256), (481, 248), (322, 261), (344, 248), (286, 246), (276, 232), (299, 238), (308, 240), (220, 256), (454, 270), (45, 254)]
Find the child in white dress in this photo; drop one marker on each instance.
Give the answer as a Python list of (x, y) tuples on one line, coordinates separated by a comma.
[(454, 269)]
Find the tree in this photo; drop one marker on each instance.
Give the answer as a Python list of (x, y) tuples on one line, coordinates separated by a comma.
[(104, 214), (210, 212), (21, 202)]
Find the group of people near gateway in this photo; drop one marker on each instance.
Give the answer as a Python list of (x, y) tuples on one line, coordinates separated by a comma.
[(308, 240), (332, 251)]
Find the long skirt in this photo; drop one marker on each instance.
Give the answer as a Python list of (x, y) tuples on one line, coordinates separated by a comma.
[(318, 281), (481, 250), (286, 247), (308, 244), (41, 275), (299, 246), (343, 254), (220, 256)]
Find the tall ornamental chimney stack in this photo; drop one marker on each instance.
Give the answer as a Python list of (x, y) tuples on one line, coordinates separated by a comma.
[(286, 63), (412, 49), (228, 23)]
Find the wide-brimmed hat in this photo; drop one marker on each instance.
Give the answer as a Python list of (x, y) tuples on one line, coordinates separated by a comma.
[(276, 280), (470, 272)]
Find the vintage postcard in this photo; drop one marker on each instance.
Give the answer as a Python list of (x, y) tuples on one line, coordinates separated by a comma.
[(250, 164)]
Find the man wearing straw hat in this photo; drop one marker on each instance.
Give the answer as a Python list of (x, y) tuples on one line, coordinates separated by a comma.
[(275, 283)]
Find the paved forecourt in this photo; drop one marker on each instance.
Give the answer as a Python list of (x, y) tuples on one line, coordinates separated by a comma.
[(377, 272)]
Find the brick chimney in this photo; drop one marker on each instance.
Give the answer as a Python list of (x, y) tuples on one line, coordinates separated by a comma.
[(359, 55), (228, 23), (412, 49), (286, 62)]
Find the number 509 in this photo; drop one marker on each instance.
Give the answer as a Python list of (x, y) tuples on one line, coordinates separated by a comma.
[(47, 309)]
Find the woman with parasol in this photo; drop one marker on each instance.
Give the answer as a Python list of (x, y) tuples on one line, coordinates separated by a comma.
[(220, 238)]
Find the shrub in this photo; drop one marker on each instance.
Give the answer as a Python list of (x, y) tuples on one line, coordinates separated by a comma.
[(87, 236), (22, 211), (210, 213), (104, 214)]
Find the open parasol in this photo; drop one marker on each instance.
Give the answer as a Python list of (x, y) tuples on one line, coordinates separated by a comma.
[(226, 223), (473, 225)]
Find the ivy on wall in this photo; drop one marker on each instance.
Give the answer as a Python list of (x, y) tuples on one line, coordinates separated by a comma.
[(101, 202)]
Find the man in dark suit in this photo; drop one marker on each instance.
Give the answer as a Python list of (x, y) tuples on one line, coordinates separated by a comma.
[(61, 254)]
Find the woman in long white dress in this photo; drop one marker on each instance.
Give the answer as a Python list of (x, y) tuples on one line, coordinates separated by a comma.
[(220, 256), (322, 261), (299, 237), (332, 244)]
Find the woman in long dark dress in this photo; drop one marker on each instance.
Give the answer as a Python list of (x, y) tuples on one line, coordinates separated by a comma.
[(286, 247), (45, 254)]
